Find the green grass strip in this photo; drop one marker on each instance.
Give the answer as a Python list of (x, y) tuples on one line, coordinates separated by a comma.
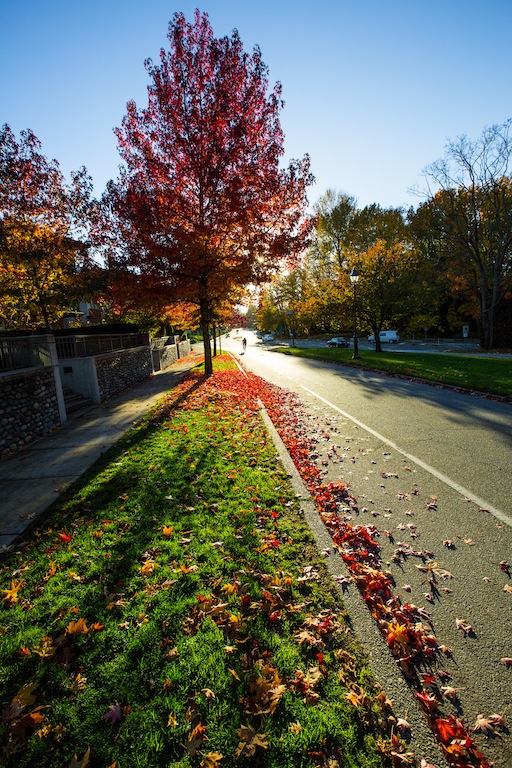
[(171, 610)]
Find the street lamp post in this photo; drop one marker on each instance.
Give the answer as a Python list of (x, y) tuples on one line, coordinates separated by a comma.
[(354, 277)]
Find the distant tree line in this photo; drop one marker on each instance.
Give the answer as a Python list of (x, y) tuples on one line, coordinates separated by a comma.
[(444, 265)]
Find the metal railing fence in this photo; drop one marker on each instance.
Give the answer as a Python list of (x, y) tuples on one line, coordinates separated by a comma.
[(89, 345), (21, 352)]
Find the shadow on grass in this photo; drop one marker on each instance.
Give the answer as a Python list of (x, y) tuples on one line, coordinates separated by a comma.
[(70, 503)]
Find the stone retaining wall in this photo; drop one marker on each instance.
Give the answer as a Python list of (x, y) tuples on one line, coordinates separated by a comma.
[(28, 408), (184, 348), (163, 357), (116, 371)]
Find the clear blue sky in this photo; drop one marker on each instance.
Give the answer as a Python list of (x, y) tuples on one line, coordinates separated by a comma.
[(373, 88)]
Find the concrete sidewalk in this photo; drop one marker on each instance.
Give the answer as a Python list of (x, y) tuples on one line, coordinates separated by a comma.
[(36, 476)]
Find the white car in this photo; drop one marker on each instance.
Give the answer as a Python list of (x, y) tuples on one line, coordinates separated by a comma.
[(391, 337), (268, 337)]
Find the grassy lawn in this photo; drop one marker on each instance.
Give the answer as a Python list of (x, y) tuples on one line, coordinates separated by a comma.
[(483, 374), (171, 610)]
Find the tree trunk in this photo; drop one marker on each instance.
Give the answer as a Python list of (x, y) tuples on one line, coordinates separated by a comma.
[(486, 313), (214, 334), (205, 328), (45, 316)]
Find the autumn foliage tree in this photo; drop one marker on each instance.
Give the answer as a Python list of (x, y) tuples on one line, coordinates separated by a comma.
[(470, 220), (41, 220), (394, 285), (202, 203)]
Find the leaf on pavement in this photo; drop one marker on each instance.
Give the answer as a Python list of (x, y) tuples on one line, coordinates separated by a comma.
[(464, 627), (487, 725)]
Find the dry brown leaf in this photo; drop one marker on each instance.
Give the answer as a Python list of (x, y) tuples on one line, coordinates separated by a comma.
[(83, 763), (211, 760), (25, 695), (487, 725), (78, 627), (250, 740)]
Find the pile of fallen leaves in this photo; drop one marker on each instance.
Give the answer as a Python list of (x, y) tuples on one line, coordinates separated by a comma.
[(172, 610)]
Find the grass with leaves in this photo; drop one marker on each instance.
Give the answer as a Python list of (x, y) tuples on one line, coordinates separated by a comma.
[(172, 610), (491, 375)]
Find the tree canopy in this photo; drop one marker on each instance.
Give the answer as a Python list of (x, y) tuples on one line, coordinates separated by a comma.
[(202, 202), (470, 217), (41, 220)]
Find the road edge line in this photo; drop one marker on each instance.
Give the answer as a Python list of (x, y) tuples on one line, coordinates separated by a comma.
[(481, 503)]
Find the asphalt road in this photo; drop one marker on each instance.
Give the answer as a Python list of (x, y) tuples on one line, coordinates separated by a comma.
[(466, 439), (432, 471)]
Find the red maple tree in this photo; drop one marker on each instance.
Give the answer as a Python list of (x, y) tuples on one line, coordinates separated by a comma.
[(202, 203)]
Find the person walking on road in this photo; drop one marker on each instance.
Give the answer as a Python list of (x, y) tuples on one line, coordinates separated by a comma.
[(244, 344)]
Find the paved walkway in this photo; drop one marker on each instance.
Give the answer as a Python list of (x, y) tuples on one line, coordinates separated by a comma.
[(35, 477)]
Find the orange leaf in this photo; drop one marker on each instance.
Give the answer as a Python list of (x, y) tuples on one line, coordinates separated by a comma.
[(11, 595), (78, 627), (211, 760)]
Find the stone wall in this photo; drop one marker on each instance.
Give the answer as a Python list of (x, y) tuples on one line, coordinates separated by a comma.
[(116, 371), (163, 357), (184, 348), (28, 408)]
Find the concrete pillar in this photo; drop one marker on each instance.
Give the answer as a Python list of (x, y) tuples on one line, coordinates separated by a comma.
[(50, 342)]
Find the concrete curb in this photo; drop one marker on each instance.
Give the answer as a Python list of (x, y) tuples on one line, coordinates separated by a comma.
[(384, 667)]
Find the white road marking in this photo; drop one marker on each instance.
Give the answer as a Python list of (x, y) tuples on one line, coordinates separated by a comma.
[(444, 479)]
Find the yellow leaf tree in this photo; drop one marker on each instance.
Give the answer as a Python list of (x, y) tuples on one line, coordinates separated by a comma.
[(42, 230)]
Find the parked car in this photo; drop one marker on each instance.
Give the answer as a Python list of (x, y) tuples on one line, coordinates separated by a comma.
[(338, 341), (391, 337), (268, 337)]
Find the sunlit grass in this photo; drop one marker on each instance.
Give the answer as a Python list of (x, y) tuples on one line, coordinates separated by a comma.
[(154, 612)]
